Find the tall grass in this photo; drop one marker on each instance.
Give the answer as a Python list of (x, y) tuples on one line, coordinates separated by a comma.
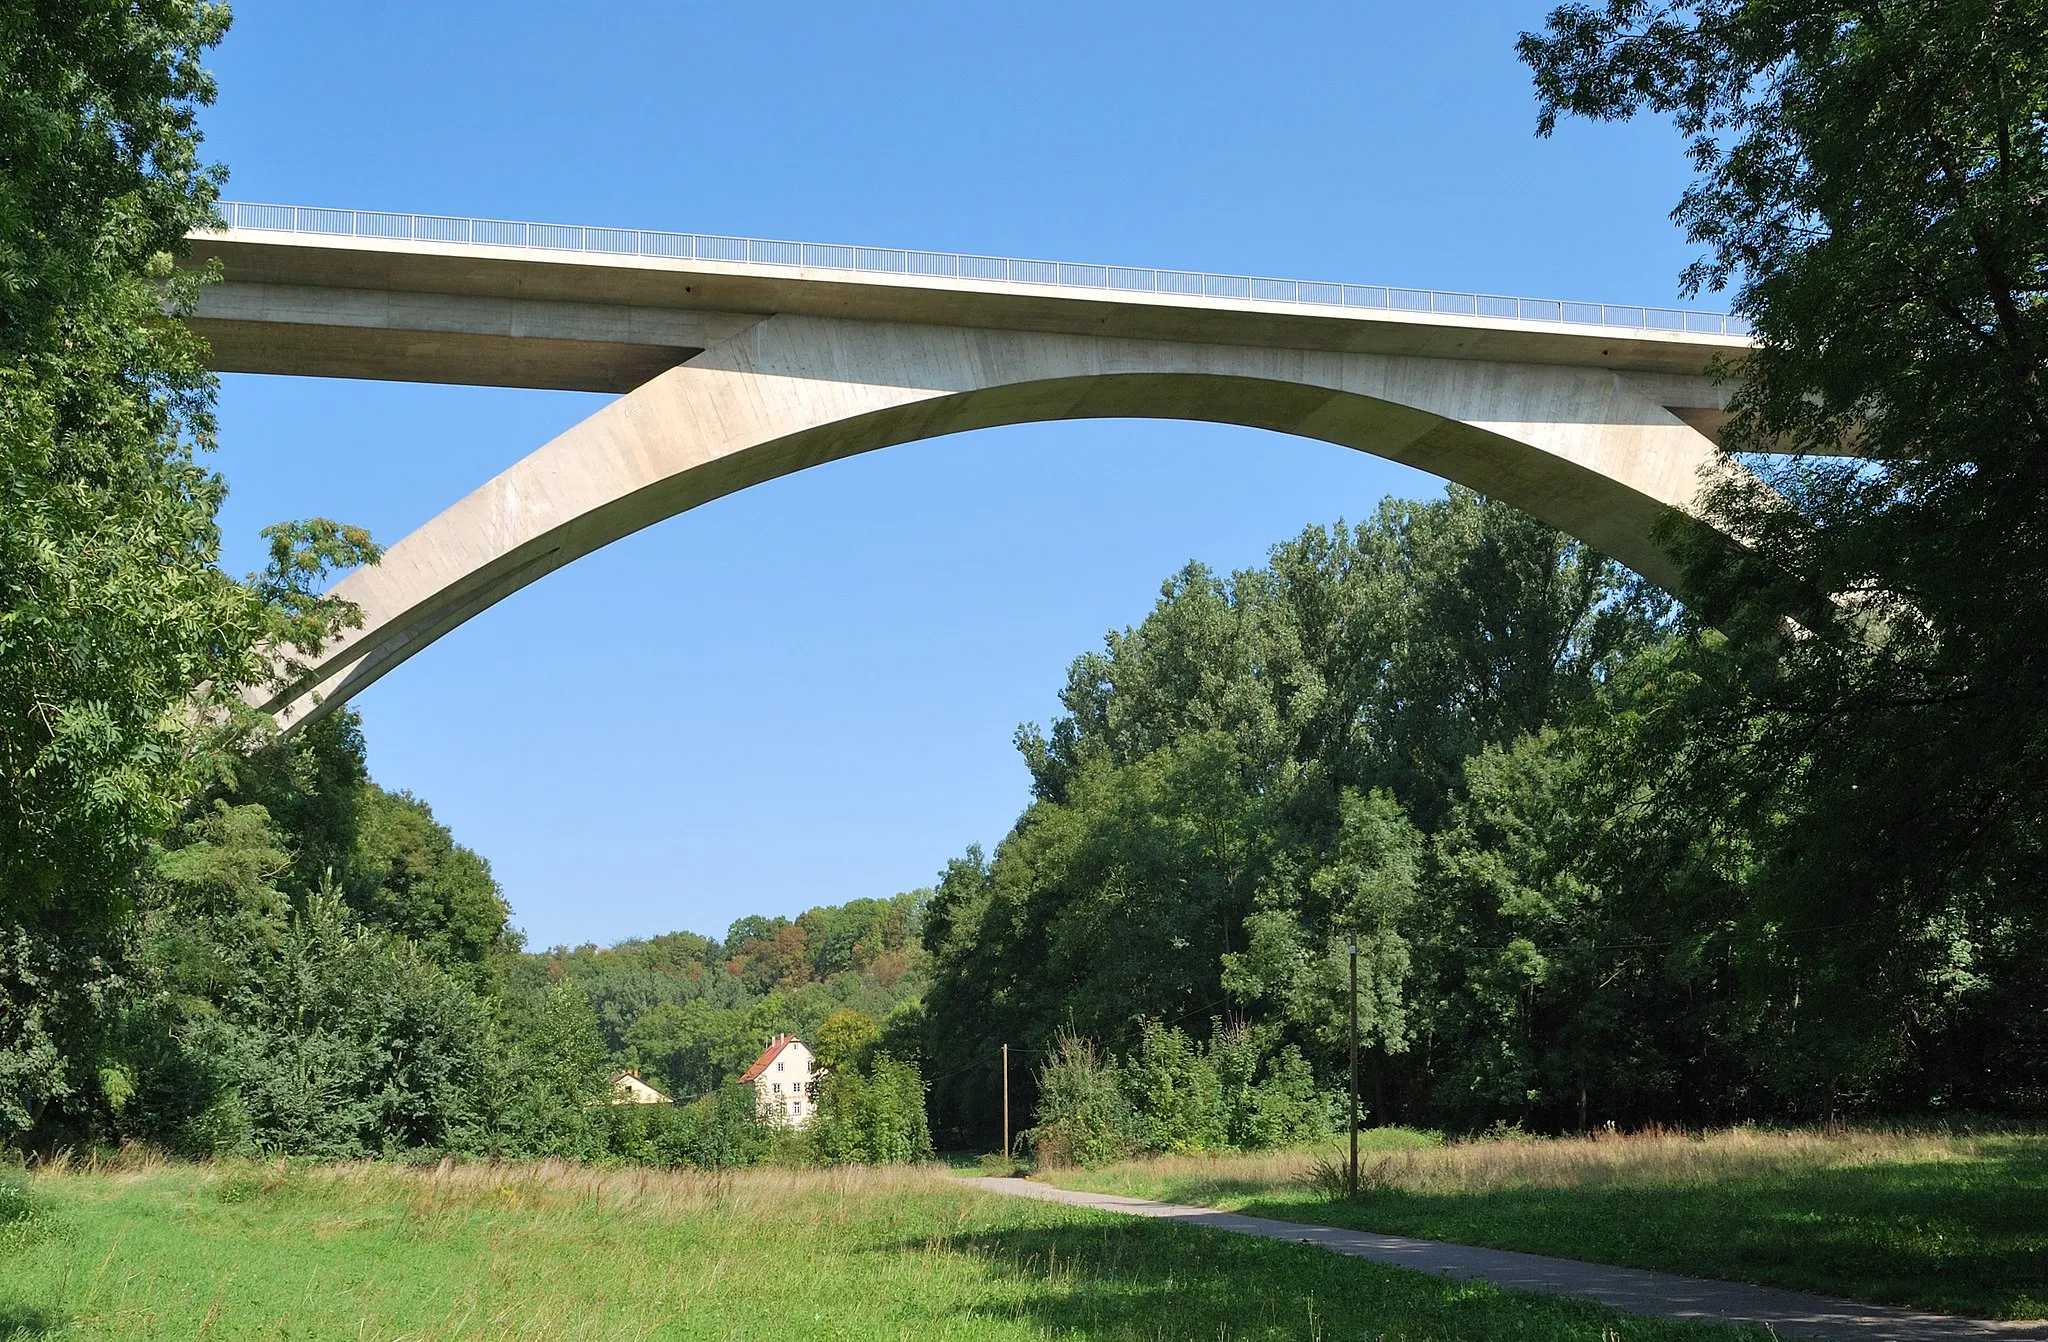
[(255, 1250), (1654, 1159), (1946, 1219)]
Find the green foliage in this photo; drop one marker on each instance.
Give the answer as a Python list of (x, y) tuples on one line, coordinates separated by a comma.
[(407, 873), (726, 1130), (692, 1012), (695, 1047), (555, 1075), (396, 866), (25, 1217), (335, 1041), (1384, 653), (1084, 1117), (1174, 1095), (714, 1132), (1870, 180), (123, 647), (1269, 1098), (1247, 779), (256, 1014), (847, 1039), (872, 1116), (1365, 892)]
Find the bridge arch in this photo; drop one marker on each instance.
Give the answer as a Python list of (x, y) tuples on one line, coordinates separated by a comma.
[(1592, 451)]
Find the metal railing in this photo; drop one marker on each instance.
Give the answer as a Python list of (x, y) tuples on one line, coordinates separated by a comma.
[(961, 266)]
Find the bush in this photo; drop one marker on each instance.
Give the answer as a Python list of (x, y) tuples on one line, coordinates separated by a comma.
[(722, 1130), (338, 1041), (24, 1217), (876, 1119), (718, 1131), (1174, 1095), (1083, 1117), (1282, 1108), (549, 1082)]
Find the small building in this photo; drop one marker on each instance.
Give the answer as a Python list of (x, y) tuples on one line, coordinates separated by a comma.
[(628, 1088), (785, 1082)]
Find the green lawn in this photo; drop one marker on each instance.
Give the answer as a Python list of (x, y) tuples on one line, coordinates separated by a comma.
[(1955, 1224), (190, 1252)]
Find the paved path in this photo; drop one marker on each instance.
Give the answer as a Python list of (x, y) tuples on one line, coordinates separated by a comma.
[(1631, 1290)]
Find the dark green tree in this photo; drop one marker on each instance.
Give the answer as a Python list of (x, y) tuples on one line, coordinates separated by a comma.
[(407, 873), (1873, 183), (123, 647), (1244, 779)]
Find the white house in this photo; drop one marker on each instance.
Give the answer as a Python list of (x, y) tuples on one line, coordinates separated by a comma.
[(628, 1088), (785, 1082)]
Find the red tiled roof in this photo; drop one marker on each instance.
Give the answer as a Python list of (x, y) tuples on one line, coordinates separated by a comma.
[(775, 1046)]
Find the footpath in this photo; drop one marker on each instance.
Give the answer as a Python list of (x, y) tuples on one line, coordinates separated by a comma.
[(1631, 1290)]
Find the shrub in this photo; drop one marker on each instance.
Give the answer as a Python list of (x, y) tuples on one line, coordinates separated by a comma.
[(720, 1131), (548, 1083), (876, 1119), (1175, 1095), (1083, 1116), (1283, 1106), (338, 1041)]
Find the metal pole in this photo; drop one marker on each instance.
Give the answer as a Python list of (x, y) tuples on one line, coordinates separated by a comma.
[(1353, 1183), (1006, 1101)]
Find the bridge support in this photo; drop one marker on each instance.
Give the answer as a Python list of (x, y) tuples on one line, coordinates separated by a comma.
[(1592, 451)]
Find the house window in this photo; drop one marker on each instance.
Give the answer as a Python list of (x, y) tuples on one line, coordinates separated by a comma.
[(778, 1088), (778, 1066)]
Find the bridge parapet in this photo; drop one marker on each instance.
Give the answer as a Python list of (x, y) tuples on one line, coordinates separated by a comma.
[(1036, 274)]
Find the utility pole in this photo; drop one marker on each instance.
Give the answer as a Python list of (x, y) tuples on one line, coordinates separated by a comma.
[(1352, 1183), (1006, 1102)]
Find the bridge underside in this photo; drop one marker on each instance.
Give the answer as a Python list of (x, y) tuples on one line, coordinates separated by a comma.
[(732, 373), (738, 399)]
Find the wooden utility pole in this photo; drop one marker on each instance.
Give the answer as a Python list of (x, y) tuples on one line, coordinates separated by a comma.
[(1352, 1182), (1006, 1102)]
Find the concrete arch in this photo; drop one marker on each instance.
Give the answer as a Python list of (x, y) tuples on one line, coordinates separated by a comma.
[(1593, 451)]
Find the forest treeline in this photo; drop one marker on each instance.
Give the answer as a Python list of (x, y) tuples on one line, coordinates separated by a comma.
[(1456, 736), (318, 968), (1447, 733)]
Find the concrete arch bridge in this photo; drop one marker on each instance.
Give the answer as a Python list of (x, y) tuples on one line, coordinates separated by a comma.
[(742, 360)]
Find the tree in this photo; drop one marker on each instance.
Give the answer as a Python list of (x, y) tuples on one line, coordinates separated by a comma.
[(1385, 653), (407, 873), (695, 1047), (553, 1073), (1299, 938), (250, 1025), (847, 1039), (1873, 183), (1245, 779), (123, 648)]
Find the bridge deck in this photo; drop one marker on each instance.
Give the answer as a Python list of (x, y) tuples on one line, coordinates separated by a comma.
[(327, 303)]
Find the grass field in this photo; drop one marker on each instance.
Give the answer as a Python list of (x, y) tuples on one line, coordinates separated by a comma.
[(562, 1252), (1951, 1223)]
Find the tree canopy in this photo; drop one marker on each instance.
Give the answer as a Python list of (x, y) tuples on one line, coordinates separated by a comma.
[(123, 646), (1870, 184)]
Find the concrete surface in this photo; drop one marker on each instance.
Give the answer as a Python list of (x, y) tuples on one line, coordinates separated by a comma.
[(735, 374)]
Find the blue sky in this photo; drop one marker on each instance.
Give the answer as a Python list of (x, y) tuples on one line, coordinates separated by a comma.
[(805, 693)]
